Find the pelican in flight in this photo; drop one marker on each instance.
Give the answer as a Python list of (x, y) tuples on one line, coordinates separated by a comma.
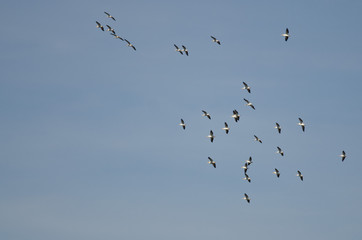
[(185, 50), (116, 36), (109, 16), (301, 123), (178, 50), (247, 178), (300, 175), (212, 162), (130, 45), (249, 161), (246, 87), (257, 139), (110, 29), (215, 40), (226, 128), (343, 155), (249, 103), (100, 26), (235, 115), (245, 167), (280, 151), (246, 197), (183, 124), (276, 172), (286, 34), (278, 127), (211, 136), (206, 114)]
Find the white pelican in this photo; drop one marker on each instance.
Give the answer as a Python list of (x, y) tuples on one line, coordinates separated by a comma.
[(206, 114), (100, 26), (212, 162), (130, 45), (178, 50), (246, 87), (226, 128), (249, 161), (109, 16), (246, 197), (185, 50), (183, 124), (301, 123), (343, 155), (280, 151), (257, 139), (247, 178), (249, 104), (215, 40), (211, 136), (278, 127), (235, 115), (245, 167), (116, 36), (300, 175), (276, 172), (110, 29), (286, 34)]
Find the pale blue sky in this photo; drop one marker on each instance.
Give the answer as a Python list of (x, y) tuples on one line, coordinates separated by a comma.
[(90, 143)]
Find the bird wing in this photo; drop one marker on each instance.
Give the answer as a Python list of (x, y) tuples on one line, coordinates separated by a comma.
[(176, 46), (107, 14), (109, 27), (182, 121), (211, 133), (246, 85), (184, 47), (226, 125), (98, 24), (303, 128), (213, 38), (214, 164), (134, 48), (300, 120), (287, 31), (127, 41), (246, 100)]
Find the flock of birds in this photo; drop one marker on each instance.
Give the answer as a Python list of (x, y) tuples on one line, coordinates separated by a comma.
[(235, 115)]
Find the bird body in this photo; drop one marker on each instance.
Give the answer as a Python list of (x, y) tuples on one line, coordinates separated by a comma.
[(300, 175), (185, 50), (226, 128), (183, 124), (100, 26), (109, 16), (177, 49), (246, 197), (235, 115), (276, 172), (246, 87), (286, 34), (211, 136), (343, 155), (247, 178), (249, 103), (212, 162), (206, 114), (215, 40), (301, 123), (280, 151), (257, 139), (130, 44), (278, 127)]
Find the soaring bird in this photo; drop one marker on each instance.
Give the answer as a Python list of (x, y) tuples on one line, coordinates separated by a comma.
[(215, 40), (183, 124), (130, 45), (178, 50), (286, 34), (235, 115), (257, 139), (247, 178), (212, 162), (343, 155), (249, 103), (116, 36), (245, 167), (206, 114), (246, 87), (109, 16), (226, 128), (211, 136), (276, 172), (249, 161), (110, 29), (300, 175), (278, 127), (100, 26), (185, 50), (301, 123), (280, 151), (246, 197)]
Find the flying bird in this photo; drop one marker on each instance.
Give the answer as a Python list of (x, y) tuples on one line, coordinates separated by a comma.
[(300, 175), (343, 155), (211, 136), (109, 16), (246, 87), (278, 127), (246, 197), (286, 34), (206, 114), (257, 139), (245, 167), (185, 50), (280, 151), (100, 26), (130, 45), (226, 128), (215, 40), (178, 50), (249, 161), (247, 178), (212, 162), (116, 36), (276, 172), (249, 103), (110, 29), (301, 123), (183, 124), (235, 115)]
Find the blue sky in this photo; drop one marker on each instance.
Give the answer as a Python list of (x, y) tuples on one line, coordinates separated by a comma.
[(90, 142)]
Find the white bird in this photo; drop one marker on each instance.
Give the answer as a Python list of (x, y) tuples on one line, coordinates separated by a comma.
[(247, 178), (183, 124), (100, 26), (286, 34), (246, 197), (178, 50), (257, 139), (300, 175), (276, 172), (246, 87), (206, 114), (249, 161), (110, 29), (278, 127), (249, 103), (226, 128), (235, 115), (211, 136), (343, 155), (215, 40), (280, 151), (212, 162), (301, 123), (245, 167), (185, 50), (130, 45), (109, 16), (116, 36)]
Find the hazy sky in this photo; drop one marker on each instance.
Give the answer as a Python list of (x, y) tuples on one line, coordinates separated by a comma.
[(90, 142)]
